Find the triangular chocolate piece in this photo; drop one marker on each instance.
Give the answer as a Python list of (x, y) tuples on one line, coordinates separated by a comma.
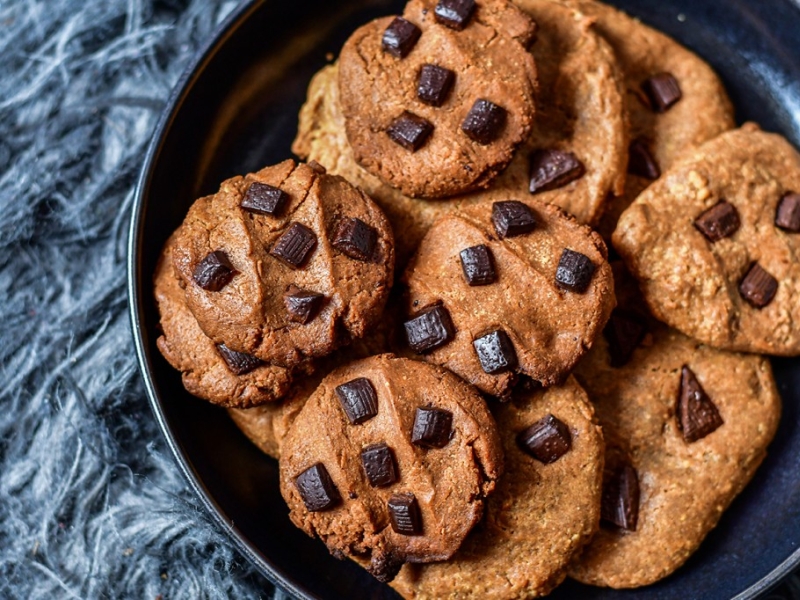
[(697, 415)]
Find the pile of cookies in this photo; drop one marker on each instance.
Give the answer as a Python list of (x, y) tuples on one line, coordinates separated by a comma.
[(514, 405)]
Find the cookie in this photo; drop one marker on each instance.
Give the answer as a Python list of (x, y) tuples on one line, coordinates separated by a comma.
[(546, 292), (674, 99), (211, 372), (570, 56), (711, 249), (285, 264), (545, 509), (425, 107), (686, 426), (389, 462)]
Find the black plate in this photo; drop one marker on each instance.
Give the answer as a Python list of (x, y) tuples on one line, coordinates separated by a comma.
[(236, 110)]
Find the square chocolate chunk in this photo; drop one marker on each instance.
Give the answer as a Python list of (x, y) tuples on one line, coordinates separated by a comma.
[(359, 400), (214, 272), (511, 218), (302, 305), (663, 91), (788, 214), (404, 514), (478, 265), (410, 131), (317, 489), (454, 14), (355, 238), (547, 440), (552, 169), (264, 199), (400, 37), (758, 287), (433, 427), (484, 122), (379, 465), (430, 329), (574, 271), (434, 85), (719, 221), (238, 362), (295, 245), (496, 352), (641, 161)]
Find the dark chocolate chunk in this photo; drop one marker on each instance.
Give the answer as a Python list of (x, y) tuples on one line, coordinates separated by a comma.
[(316, 167), (478, 265), (495, 352), (404, 514), (552, 169), (758, 287), (410, 131), (295, 245), (214, 272), (355, 238), (623, 332), (719, 221), (385, 567), (697, 414), (302, 305), (264, 199), (359, 400), (379, 465), (620, 500), (484, 122), (400, 37), (317, 488), (433, 427), (429, 329), (547, 440), (435, 83), (454, 14), (511, 218), (238, 362), (641, 161), (574, 271), (663, 90), (788, 214)]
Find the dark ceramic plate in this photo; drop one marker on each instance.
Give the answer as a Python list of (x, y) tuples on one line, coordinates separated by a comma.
[(236, 110)]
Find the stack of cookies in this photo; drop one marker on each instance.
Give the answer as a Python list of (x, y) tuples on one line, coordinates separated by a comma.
[(467, 395)]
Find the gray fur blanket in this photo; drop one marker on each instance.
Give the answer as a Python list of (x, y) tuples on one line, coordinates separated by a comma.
[(91, 504)]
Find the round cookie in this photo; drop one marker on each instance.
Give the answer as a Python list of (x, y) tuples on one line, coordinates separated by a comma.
[(540, 515), (426, 108), (285, 264), (218, 375), (511, 287), (389, 462), (666, 390), (707, 245)]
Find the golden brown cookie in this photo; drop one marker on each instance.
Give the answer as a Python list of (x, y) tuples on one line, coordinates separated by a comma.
[(709, 247), (285, 264), (389, 462), (507, 288), (436, 106), (541, 514), (216, 374)]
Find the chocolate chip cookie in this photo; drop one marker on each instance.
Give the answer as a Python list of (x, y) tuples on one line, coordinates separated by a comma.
[(436, 101), (389, 462), (685, 425), (285, 264), (507, 288), (545, 509), (714, 243)]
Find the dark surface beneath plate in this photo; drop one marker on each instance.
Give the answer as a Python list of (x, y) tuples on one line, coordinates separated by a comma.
[(237, 112)]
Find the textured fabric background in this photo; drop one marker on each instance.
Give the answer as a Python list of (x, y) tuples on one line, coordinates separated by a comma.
[(91, 504)]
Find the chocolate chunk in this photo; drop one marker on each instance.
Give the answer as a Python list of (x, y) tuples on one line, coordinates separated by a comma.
[(429, 329), (641, 161), (316, 167), (496, 352), (697, 414), (355, 238), (512, 218), (623, 332), (264, 199), (410, 131), (435, 83), (758, 287), (359, 400), (385, 567), (547, 440), (788, 214), (663, 90), (317, 488), (454, 14), (552, 169), (404, 514), (214, 272), (302, 305), (295, 245), (379, 465), (719, 221), (484, 122), (238, 362), (620, 500), (400, 37), (478, 265), (433, 427), (574, 271)]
